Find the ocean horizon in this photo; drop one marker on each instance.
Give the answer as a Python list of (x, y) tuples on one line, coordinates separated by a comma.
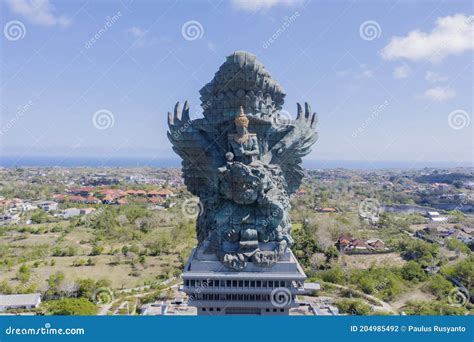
[(58, 161)]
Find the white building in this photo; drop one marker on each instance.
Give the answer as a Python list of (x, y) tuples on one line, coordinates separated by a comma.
[(436, 217), (20, 301), (47, 205)]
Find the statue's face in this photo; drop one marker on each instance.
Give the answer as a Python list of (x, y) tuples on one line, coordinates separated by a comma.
[(245, 192), (240, 130)]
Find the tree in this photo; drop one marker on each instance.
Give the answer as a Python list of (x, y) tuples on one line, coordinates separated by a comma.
[(456, 245), (334, 275), (5, 288), (353, 306), (39, 216), (97, 250), (412, 271), (23, 273), (54, 282), (420, 251), (439, 286), (457, 215), (86, 288), (434, 308), (70, 307), (331, 253)]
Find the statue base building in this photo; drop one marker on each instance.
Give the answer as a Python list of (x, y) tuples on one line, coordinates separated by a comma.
[(216, 290)]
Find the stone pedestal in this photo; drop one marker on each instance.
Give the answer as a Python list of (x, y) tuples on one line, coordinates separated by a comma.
[(255, 290)]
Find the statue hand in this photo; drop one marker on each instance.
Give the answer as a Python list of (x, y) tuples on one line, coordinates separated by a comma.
[(179, 121), (308, 118)]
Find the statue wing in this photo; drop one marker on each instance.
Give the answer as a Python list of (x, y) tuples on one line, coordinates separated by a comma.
[(294, 145), (191, 143)]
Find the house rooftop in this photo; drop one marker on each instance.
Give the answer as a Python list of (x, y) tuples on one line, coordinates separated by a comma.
[(31, 299)]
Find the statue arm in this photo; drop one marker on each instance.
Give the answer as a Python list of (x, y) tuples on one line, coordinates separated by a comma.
[(254, 151)]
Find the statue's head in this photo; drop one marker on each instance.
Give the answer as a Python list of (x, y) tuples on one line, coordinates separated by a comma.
[(241, 121)]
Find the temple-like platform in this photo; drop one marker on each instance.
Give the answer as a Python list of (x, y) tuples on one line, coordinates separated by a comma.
[(216, 290)]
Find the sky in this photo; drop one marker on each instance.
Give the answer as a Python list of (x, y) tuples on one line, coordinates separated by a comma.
[(390, 80)]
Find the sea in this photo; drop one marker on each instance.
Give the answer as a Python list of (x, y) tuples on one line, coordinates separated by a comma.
[(22, 161)]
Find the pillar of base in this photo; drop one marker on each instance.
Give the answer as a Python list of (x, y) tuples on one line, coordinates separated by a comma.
[(216, 290)]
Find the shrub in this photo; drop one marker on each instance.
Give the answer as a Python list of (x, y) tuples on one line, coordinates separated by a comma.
[(70, 307), (412, 271), (353, 306)]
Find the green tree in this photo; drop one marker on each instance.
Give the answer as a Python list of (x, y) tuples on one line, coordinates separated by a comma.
[(70, 307), (97, 250), (39, 216), (5, 288), (331, 253), (412, 271), (439, 286), (353, 306), (24, 273)]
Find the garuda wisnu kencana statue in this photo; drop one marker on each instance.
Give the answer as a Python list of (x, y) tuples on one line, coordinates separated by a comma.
[(243, 161)]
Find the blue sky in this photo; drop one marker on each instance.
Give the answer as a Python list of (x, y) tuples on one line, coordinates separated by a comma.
[(390, 80)]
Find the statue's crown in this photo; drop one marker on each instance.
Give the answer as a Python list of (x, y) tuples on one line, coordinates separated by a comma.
[(241, 119)]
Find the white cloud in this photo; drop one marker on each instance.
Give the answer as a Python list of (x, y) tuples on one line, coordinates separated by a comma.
[(431, 76), (256, 5), (39, 12), (403, 71), (452, 35), (439, 94), (136, 32), (142, 38)]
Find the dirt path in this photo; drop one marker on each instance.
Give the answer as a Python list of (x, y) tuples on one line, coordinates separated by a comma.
[(106, 308), (413, 294), (383, 305)]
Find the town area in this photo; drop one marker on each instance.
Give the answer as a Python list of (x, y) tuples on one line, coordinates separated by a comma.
[(113, 241)]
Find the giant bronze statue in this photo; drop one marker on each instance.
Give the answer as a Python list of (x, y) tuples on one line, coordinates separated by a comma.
[(243, 161)]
